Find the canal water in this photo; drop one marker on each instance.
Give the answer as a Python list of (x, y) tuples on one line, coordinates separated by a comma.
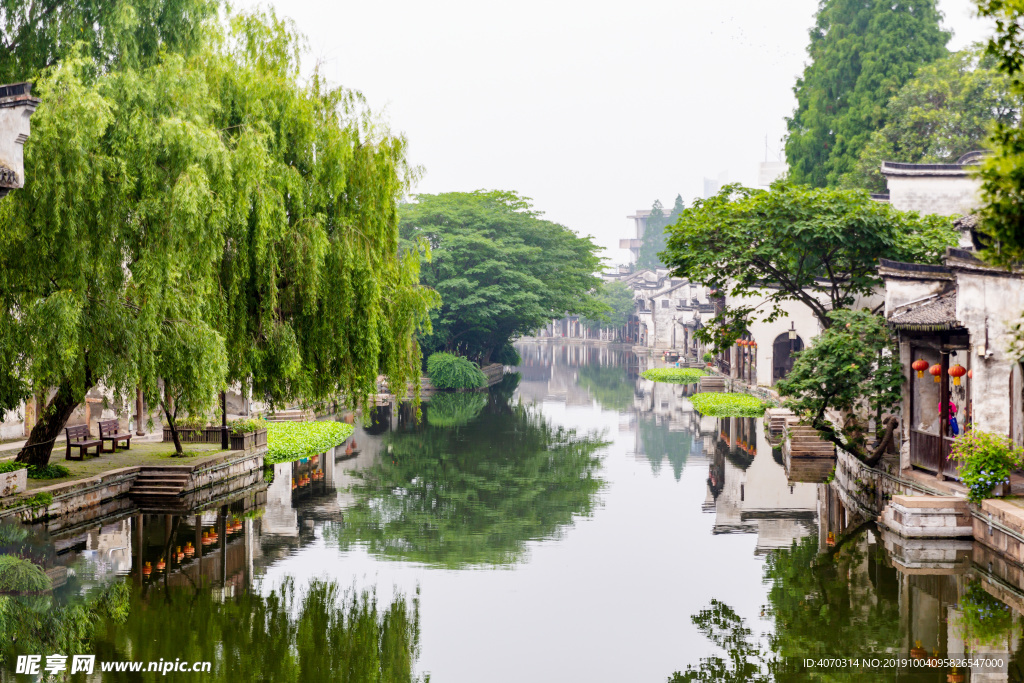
[(574, 523)]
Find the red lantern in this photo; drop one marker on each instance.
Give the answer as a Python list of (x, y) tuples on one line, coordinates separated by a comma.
[(920, 365), (970, 374), (956, 372), (936, 372)]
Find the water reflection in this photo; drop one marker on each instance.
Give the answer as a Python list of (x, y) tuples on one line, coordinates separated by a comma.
[(472, 495), (615, 476)]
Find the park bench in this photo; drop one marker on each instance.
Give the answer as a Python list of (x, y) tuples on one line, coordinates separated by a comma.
[(110, 431), (79, 437)]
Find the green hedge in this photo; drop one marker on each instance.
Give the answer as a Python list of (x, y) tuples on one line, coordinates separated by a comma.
[(12, 466), (728, 405), (287, 441), (674, 375), (246, 425), (447, 371)]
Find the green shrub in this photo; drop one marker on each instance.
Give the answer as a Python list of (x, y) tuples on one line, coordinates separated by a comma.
[(708, 357), (674, 375), (192, 422), (454, 410), (728, 405), (447, 371), (21, 576), (12, 466), (51, 471), (287, 441), (986, 461), (246, 425)]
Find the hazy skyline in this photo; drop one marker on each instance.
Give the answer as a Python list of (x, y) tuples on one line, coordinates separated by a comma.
[(593, 111)]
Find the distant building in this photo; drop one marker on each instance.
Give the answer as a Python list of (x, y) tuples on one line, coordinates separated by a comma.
[(942, 189), (16, 106), (713, 185), (770, 171), (634, 243)]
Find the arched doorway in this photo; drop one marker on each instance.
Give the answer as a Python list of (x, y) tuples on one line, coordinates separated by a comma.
[(782, 355)]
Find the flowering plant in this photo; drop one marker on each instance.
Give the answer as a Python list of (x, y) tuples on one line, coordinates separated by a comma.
[(986, 461)]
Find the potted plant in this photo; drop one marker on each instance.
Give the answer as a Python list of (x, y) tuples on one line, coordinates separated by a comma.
[(248, 433), (986, 460), (709, 358)]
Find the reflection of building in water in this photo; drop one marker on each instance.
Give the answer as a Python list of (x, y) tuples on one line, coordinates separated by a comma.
[(575, 373), (748, 490)]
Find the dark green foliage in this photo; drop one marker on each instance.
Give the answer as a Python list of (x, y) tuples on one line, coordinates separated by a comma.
[(448, 371), (50, 471), (12, 466), (502, 271), (454, 409), (948, 109), (507, 355), (656, 234), (816, 246), (1002, 174), (862, 52), (852, 369), (474, 495), (21, 576)]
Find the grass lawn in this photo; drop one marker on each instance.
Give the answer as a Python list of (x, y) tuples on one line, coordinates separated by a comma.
[(140, 454)]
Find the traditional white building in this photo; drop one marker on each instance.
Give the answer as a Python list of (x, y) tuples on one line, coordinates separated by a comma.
[(16, 107)]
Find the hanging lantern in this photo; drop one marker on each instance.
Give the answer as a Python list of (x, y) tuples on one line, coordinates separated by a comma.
[(920, 365), (936, 372), (956, 372), (970, 374)]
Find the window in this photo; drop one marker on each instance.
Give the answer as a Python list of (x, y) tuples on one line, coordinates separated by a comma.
[(664, 303)]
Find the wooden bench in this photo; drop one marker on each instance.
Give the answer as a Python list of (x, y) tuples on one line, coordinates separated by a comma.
[(110, 431), (79, 438)]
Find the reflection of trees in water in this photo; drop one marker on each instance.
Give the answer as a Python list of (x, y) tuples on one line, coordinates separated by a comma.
[(321, 634), (473, 495), (454, 409), (821, 604), (608, 385), (660, 444)]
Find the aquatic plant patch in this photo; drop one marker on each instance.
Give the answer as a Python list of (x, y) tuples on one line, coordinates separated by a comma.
[(287, 441), (728, 405), (674, 375)]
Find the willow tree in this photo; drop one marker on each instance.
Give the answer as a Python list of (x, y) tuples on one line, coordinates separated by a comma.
[(318, 299), (203, 220)]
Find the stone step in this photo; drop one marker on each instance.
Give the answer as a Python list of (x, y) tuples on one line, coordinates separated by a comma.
[(161, 481), (928, 517), (146, 490)]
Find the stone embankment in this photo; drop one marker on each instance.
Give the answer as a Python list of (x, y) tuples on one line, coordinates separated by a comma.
[(156, 488)]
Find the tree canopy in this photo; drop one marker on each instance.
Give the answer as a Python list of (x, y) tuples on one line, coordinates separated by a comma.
[(656, 233), (794, 243), (501, 270), (36, 34), (948, 109), (201, 220), (861, 54), (1002, 174), (617, 298)]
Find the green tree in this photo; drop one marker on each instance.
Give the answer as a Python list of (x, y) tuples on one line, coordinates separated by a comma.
[(794, 243), (861, 54), (656, 234), (36, 34), (475, 495), (206, 208), (947, 110), (501, 270), (617, 298), (853, 369), (1002, 174)]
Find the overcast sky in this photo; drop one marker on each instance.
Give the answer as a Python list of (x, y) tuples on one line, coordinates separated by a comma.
[(592, 109)]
